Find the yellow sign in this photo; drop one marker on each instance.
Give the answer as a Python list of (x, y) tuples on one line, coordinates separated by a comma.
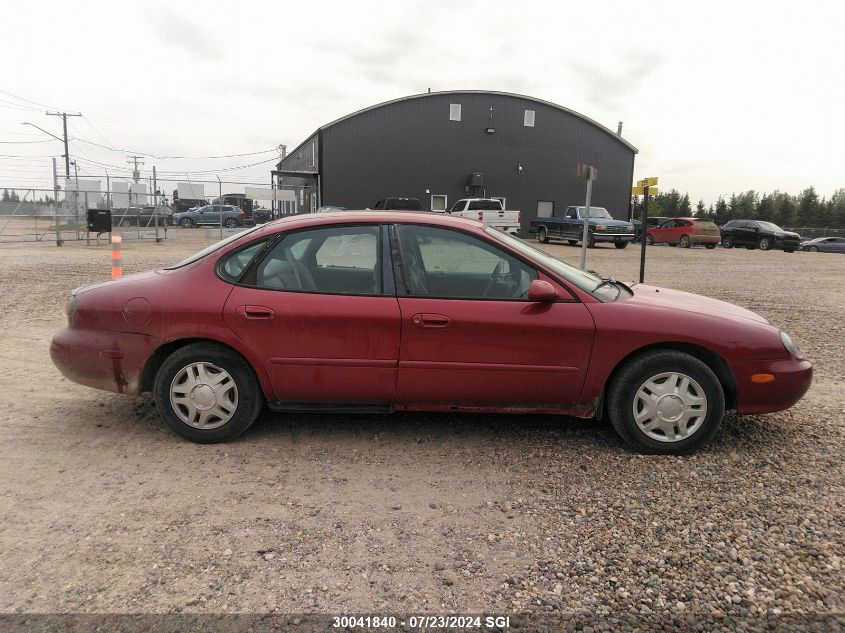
[(647, 182), (640, 191)]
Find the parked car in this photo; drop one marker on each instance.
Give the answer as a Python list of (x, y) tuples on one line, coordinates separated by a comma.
[(759, 234), (382, 311), (398, 204), (824, 245), (651, 221), (570, 227), (329, 208), (685, 232), (260, 215), (490, 212), (210, 215), (141, 216)]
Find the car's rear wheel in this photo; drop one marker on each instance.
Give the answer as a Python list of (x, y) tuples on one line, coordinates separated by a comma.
[(125, 222), (207, 393), (231, 223), (542, 235), (649, 239), (728, 241), (765, 243), (709, 246), (685, 241), (186, 223), (621, 244), (666, 402)]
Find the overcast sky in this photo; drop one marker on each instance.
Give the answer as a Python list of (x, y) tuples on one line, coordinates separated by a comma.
[(719, 97)]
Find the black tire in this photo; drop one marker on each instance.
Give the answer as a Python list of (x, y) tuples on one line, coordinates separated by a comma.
[(542, 235), (628, 380), (621, 245), (649, 239), (790, 250), (230, 223), (686, 242), (812, 249), (124, 222), (591, 240), (765, 243), (709, 247), (186, 223), (572, 242), (728, 241), (250, 398)]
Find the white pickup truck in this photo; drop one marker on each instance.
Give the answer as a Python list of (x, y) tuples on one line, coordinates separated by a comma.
[(489, 211)]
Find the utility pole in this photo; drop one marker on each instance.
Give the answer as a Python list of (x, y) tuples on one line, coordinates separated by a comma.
[(589, 173), (64, 116), (136, 175)]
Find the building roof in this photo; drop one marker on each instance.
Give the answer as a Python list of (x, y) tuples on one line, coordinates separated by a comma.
[(473, 92)]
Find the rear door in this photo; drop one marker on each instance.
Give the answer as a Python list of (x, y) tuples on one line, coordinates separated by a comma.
[(322, 315), (470, 337)]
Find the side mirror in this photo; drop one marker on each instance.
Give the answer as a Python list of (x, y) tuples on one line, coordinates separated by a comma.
[(540, 290)]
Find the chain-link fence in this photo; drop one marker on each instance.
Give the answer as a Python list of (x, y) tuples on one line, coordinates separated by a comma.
[(84, 209)]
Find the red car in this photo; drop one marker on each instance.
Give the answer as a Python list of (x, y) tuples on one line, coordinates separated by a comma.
[(404, 311), (685, 232)]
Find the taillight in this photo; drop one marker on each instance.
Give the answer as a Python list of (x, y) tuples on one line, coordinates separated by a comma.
[(242, 212)]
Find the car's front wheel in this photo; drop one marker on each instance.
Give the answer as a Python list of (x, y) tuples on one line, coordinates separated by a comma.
[(728, 241), (649, 239), (186, 223), (621, 244), (666, 401), (813, 249), (207, 393)]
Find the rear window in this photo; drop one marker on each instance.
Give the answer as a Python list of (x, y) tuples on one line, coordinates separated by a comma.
[(705, 224), (485, 205)]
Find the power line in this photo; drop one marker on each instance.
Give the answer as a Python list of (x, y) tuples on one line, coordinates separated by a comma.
[(14, 96), (265, 151)]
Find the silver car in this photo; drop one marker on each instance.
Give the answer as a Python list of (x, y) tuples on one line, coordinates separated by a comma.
[(824, 245), (210, 214)]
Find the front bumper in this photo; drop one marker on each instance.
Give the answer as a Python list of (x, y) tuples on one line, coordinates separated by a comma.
[(792, 379), (104, 360), (613, 237)]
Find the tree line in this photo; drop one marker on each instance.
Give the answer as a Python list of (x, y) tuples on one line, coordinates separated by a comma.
[(805, 209)]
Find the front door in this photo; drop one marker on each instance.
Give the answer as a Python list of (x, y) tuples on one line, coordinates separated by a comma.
[(320, 314), (470, 336)]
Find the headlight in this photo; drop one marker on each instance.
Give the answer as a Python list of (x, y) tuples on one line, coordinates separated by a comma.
[(630, 228), (600, 227), (789, 344)]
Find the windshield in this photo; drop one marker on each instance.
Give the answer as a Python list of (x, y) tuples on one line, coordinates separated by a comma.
[(585, 281), (769, 226), (595, 212), (210, 249)]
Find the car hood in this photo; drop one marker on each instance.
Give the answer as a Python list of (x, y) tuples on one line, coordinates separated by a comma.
[(787, 234), (656, 297), (609, 222)]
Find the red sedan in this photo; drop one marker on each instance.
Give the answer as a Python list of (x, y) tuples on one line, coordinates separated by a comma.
[(685, 232), (398, 311)]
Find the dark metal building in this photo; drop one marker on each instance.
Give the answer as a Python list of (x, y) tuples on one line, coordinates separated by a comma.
[(443, 146)]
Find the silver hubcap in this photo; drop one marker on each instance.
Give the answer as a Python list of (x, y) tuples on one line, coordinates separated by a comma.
[(670, 407), (204, 396)]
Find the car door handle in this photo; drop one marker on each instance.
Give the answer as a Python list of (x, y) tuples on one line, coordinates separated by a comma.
[(428, 320), (256, 313)]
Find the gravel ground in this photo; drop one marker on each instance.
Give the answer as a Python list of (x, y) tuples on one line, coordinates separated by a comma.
[(103, 510)]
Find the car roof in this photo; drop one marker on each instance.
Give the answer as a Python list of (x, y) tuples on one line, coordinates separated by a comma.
[(305, 220)]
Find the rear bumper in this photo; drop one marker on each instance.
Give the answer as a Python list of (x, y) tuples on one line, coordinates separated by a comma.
[(104, 360), (792, 379), (705, 239)]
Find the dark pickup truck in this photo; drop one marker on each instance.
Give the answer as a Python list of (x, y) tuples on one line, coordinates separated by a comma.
[(570, 227)]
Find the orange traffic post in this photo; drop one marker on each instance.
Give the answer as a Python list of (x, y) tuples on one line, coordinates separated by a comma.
[(116, 265)]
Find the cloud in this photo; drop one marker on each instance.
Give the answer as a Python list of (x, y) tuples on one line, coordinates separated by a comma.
[(181, 33), (608, 84)]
